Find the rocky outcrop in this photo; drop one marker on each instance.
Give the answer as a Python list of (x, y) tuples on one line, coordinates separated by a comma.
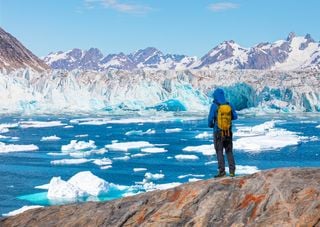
[(13, 55), (279, 197)]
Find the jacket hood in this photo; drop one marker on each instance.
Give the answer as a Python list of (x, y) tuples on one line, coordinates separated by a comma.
[(218, 96)]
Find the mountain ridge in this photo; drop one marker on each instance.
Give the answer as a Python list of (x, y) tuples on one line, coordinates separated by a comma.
[(293, 53), (13, 55)]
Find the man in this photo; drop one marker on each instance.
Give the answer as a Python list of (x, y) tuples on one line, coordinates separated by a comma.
[(220, 117)]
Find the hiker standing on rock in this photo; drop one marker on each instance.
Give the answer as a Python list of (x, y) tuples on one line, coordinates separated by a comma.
[(220, 119)]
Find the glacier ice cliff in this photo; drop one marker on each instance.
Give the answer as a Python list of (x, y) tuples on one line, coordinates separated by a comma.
[(26, 91)]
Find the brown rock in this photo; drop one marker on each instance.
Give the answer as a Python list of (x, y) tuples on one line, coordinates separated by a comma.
[(13, 55), (279, 197)]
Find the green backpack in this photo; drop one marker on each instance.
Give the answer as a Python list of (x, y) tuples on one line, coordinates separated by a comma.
[(224, 118)]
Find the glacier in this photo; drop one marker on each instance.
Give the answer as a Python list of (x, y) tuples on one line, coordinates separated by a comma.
[(115, 91)]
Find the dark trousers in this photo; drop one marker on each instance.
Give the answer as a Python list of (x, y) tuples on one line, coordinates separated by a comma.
[(225, 142)]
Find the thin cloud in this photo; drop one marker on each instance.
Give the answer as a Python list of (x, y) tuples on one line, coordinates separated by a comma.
[(118, 6), (222, 6)]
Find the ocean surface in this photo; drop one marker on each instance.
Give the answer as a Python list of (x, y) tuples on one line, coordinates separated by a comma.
[(135, 153)]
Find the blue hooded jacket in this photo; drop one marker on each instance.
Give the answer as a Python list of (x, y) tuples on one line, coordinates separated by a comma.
[(218, 98)]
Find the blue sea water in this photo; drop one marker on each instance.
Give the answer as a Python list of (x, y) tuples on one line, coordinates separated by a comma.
[(20, 172)]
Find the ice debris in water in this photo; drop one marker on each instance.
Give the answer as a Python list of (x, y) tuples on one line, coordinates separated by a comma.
[(81, 185), (125, 146), (264, 137), (78, 146), (50, 138)]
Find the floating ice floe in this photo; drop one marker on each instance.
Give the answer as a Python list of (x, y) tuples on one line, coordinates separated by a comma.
[(78, 146), (181, 157), (56, 154), (81, 136), (40, 124), (140, 132), (6, 126), (154, 150), (139, 155), (124, 158), (264, 137), (125, 146), (245, 131), (83, 184), (190, 175), (102, 162), (7, 148), (76, 161), (204, 149), (68, 126), (90, 121), (150, 176), (318, 126), (210, 163), (203, 135), (172, 130), (21, 210), (139, 169), (80, 154), (106, 167), (50, 138)]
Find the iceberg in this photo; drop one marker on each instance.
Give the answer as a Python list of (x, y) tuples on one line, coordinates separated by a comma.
[(63, 190), (81, 185), (89, 183)]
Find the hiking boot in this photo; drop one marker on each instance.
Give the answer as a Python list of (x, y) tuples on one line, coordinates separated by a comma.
[(232, 174), (220, 174)]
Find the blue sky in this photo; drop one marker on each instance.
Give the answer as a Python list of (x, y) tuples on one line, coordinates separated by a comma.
[(190, 27)]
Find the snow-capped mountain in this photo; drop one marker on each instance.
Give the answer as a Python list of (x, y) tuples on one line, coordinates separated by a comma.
[(93, 59), (13, 55), (293, 53)]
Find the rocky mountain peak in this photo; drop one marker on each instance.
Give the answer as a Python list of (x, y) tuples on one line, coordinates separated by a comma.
[(291, 36), (13, 55)]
